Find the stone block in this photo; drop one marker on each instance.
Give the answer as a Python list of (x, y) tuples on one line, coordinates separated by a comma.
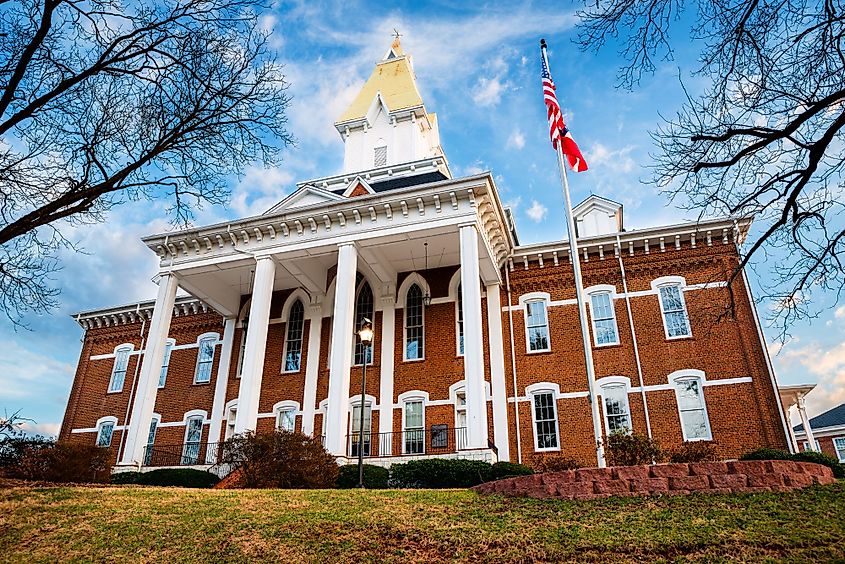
[(690, 483), (729, 481), (798, 480), (650, 485), (783, 467), (669, 470), (575, 490), (555, 478), (748, 467), (631, 472), (593, 474), (612, 487), (708, 468), (765, 480)]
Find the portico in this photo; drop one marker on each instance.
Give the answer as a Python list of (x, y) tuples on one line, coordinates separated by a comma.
[(321, 248)]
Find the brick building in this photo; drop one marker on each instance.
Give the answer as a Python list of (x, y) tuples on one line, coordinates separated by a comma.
[(477, 349)]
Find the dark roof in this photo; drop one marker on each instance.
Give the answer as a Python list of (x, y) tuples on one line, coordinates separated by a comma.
[(404, 182), (830, 418)]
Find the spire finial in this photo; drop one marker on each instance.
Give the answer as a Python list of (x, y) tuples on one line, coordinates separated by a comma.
[(396, 36)]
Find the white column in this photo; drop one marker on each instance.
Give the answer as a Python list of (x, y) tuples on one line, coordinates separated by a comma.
[(312, 367), (473, 342), (145, 393), (252, 370), (385, 394), (220, 386), (802, 411), (497, 371), (337, 411)]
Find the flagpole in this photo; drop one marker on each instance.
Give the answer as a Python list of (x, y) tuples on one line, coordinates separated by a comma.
[(579, 296)]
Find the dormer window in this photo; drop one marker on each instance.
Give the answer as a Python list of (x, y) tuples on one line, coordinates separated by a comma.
[(380, 156)]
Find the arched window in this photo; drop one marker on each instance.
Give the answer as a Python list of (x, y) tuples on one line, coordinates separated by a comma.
[(151, 439), (414, 324), (293, 342), (544, 414), (193, 438), (617, 412), (105, 429), (168, 348), (691, 407), (363, 308), (459, 316), (205, 358), (537, 326), (121, 363)]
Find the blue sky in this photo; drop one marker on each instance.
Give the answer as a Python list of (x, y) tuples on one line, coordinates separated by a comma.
[(477, 67)]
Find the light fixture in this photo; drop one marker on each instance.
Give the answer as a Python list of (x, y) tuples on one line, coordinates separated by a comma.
[(365, 333), (426, 299)]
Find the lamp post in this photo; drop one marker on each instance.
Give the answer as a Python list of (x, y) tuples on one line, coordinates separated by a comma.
[(365, 333)]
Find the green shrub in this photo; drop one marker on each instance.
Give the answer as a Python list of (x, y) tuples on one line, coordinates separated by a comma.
[(280, 459), (64, 462), (508, 469), (439, 473), (766, 454), (180, 477), (823, 459), (694, 451), (553, 463), (13, 448), (375, 477), (623, 449), (125, 477)]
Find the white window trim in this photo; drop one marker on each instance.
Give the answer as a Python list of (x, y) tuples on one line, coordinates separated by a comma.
[(232, 405), (611, 291), (404, 400), (286, 317), (355, 403), (837, 450), (118, 349), (171, 342), (454, 395), (611, 381), (681, 283), (98, 426), (355, 329), (543, 388), (454, 283), (806, 445), (691, 374), (423, 286), (524, 300), (200, 339), (194, 414), (286, 405)]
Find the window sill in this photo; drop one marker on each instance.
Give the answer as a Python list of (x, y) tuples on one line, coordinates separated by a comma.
[(607, 346), (201, 383), (699, 440), (544, 351), (412, 360), (114, 391), (555, 449), (681, 338), (293, 371)]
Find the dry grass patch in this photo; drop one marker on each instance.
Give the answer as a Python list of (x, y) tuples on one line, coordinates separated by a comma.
[(171, 524)]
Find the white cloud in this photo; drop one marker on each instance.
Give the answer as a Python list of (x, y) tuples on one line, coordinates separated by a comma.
[(24, 373), (618, 160), (516, 140), (488, 91), (840, 312), (513, 203), (260, 189), (44, 429), (826, 365), (537, 212)]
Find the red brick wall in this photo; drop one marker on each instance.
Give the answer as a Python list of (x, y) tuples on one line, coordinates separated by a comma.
[(742, 416)]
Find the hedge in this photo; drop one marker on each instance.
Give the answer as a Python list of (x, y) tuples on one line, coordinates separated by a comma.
[(179, 477), (375, 477), (437, 473)]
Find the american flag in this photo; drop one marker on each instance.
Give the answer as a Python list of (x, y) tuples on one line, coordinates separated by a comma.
[(557, 128)]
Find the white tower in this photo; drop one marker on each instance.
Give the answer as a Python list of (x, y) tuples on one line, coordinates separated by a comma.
[(387, 123)]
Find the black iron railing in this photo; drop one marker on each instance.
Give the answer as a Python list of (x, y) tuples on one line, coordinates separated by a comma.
[(438, 439), (186, 454)]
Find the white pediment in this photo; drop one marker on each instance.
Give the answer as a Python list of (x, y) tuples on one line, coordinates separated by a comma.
[(350, 188), (597, 216), (305, 196)]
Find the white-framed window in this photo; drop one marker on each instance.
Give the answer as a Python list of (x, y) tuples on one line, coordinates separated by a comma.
[(241, 351), (603, 316), (544, 414), (193, 439), (165, 364), (807, 446), (363, 308), (205, 359), (537, 326), (354, 436), (121, 363), (839, 447), (459, 320), (231, 417), (414, 324), (413, 426), (286, 419), (692, 410), (105, 430), (674, 310), (151, 439), (617, 411), (293, 340), (380, 156)]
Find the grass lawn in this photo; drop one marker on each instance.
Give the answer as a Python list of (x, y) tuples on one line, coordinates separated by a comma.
[(141, 524)]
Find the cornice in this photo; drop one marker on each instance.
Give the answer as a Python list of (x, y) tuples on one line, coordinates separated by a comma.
[(135, 313)]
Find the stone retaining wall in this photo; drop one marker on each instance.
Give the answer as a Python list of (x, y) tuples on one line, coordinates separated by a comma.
[(664, 479)]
